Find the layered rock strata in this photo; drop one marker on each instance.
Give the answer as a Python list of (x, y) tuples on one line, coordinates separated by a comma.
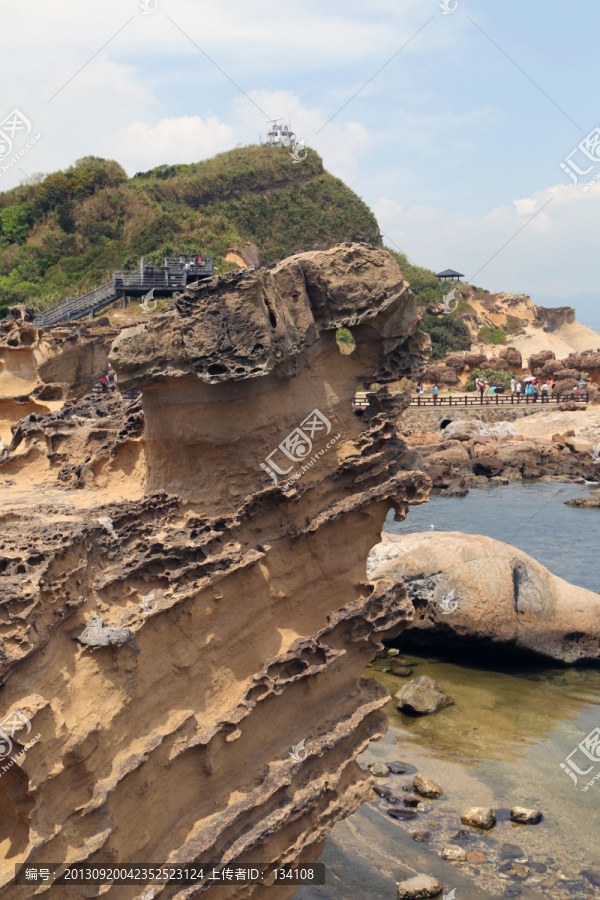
[(192, 660)]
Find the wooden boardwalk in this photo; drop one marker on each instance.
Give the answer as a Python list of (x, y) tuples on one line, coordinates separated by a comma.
[(166, 280), (487, 400)]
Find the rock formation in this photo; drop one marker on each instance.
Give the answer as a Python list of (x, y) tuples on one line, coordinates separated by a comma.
[(472, 589), (39, 369), (192, 659)]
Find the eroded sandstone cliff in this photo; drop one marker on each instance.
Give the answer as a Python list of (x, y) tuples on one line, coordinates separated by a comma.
[(172, 650)]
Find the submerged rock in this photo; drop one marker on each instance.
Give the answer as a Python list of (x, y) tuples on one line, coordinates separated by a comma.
[(525, 816), (379, 770), (426, 787), (421, 836), (422, 696), (454, 853), (421, 887), (401, 671), (402, 814), (479, 817), (592, 874), (398, 768)]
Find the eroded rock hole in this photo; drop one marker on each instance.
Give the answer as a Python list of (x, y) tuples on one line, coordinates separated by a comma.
[(345, 341), (272, 316), (217, 369)]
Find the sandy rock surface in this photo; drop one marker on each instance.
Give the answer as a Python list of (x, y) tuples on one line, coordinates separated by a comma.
[(501, 595)]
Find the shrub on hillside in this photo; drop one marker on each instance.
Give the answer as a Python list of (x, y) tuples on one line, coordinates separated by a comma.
[(447, 334), (498, 378), (490, 335)]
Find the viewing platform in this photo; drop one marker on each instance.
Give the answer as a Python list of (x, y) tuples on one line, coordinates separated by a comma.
[(165, 280)]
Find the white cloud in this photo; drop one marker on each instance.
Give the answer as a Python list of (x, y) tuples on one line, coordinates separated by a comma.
[(186, 139), (554, 253)]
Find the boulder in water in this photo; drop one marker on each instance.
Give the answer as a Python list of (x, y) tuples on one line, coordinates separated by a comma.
[(525, 816), (421, 887), (504, 597), (479, 817), (422, 696)]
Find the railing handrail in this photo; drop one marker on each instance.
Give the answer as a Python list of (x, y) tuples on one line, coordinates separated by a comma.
[(487, 399)]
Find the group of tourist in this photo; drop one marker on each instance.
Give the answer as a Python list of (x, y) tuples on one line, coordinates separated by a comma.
[(531, 389)]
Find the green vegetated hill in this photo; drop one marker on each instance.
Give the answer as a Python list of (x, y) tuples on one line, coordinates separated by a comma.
[(65, 233)]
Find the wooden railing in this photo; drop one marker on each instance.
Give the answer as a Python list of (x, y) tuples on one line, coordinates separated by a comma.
[(159, 279), (134, 281), (488, 400)]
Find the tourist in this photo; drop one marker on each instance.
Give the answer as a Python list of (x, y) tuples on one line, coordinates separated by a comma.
[(528, 390), (545, 390), (200, 262), (519, 390), (481, 389), (581, 383), (536, 390), (435, 393), (513, 386), (104, 384)]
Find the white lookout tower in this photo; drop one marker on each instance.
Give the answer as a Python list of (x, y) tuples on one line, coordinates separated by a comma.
[(280, 135)]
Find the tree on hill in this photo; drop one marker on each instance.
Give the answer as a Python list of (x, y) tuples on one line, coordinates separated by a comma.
[(65, 233), (448, 335)]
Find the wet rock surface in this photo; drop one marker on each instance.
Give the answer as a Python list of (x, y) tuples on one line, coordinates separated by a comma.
[(420, 887), (478, 817), (422, 696), (525, 816)]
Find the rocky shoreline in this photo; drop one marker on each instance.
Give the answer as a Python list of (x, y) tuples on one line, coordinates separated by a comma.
[(473, 452)]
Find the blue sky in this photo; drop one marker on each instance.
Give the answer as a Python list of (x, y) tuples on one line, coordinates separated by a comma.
[(454, 147)]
